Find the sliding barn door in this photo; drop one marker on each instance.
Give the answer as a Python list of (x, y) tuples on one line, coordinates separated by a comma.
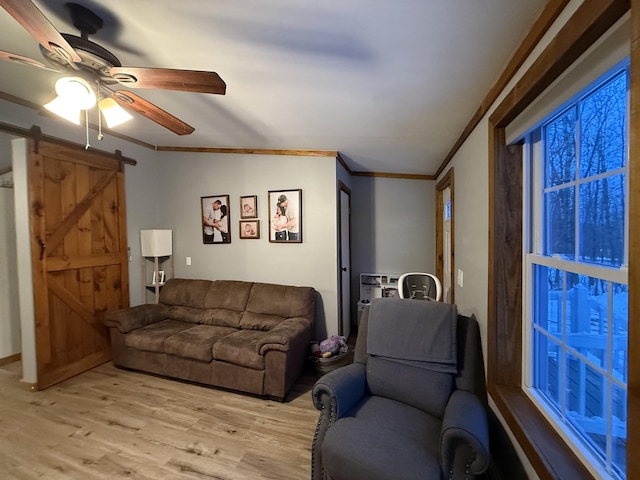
[(79, 253)]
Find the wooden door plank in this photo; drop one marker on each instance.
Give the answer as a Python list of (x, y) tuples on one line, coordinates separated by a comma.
[(68, 203), (55, 264), (83, 205), (53, 177), (76, 305), (35, 174), (58, 321), (82, 157), (97, 221), (84, 263), (110, 217), (100, 292), (63, 372), (75, 325)]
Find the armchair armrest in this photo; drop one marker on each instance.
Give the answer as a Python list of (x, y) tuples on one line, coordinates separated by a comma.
[(334, 395), (339, 390), (282, 336), (129, 319), (464, 438)]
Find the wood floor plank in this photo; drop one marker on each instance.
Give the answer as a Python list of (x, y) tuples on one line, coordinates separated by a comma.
[(109, 423)]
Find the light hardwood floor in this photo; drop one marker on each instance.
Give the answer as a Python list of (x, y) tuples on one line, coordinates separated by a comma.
[(109, 423)]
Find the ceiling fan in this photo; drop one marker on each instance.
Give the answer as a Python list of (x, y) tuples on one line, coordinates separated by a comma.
[(100, 68)]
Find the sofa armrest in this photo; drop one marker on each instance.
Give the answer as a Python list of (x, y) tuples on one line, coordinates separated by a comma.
[(129, 319), (464, 438), (283, 335)]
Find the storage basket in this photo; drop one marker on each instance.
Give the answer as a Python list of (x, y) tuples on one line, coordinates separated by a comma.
[(325, 365)]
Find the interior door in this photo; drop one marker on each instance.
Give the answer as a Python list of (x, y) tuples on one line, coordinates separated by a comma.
[(79, 256), (446, 258), (445, 236), (345, 262)]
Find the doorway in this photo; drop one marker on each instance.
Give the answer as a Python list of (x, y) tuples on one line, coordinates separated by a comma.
[(344, 256), (445, 236)]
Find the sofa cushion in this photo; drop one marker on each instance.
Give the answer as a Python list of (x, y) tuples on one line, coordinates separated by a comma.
[(260, 321), (185, 292), (208, 316), (186, 314), (152, 337), (196, 342), (241, 348), (381, 439), (270, 304), (227, 295)]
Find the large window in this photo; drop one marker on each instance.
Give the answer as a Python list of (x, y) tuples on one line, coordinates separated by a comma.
[(576, 295)]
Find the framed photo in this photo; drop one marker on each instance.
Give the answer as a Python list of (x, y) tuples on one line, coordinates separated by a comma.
[(216, 221), (161, 277), (285, 216), (249, 207), (249, 229)]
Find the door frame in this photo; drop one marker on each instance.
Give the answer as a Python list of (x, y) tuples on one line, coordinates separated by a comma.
[(343, 188), (441, 186)]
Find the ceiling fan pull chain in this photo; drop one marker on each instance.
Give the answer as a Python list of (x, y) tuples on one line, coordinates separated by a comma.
[(100, 136), (86, 124)]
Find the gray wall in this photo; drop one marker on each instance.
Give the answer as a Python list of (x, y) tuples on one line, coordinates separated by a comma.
[(185, 177), (393, 227), (9, 307)]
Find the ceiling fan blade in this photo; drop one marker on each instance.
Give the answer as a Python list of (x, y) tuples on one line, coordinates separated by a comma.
[(152, 112), (169, 79), (34, 22), (14, 57)]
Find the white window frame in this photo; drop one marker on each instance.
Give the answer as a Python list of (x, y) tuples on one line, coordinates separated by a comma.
[(533, 246)]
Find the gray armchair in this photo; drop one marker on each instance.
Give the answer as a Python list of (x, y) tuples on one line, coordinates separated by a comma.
[(413, 405)]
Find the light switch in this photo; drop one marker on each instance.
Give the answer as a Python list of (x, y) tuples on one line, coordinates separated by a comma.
[(460, 278), (188, 260)]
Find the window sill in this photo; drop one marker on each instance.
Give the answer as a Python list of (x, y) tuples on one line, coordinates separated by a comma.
[(545, 449)]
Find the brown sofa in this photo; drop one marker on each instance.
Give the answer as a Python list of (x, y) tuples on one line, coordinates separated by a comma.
[(251, 337)]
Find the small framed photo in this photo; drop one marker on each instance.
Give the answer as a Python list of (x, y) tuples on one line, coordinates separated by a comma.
[(249, 229), (285, 216), (161, 277), (154, 280), (216, 222), (249, 207)]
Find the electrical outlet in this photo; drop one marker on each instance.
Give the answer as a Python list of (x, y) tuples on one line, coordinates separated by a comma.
[(188, 260), (460, 278)]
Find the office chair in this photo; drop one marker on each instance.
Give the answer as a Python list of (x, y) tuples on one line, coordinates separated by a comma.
[(421, 286)]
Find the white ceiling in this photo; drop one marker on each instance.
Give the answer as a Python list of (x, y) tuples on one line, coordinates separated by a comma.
[(389, 84)]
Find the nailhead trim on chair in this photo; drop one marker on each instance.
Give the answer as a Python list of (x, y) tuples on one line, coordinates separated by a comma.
[(315, 440)]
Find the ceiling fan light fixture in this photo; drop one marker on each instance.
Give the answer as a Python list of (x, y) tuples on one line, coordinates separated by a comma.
[(76, 91), (64, 109), (113, 113)]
